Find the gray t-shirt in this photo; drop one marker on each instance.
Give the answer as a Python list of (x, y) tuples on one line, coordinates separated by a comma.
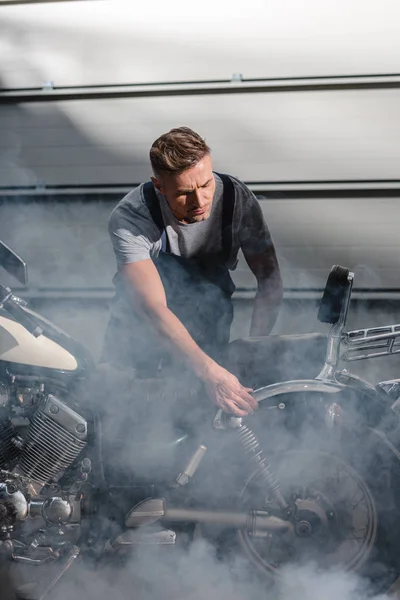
[(136, 237)]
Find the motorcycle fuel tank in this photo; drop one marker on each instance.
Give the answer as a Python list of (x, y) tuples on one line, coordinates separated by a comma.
[(17, 345)]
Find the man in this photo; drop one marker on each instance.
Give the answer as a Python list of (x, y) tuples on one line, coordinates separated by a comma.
[(175, 239)]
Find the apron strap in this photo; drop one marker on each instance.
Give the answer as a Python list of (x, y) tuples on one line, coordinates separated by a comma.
[(228, 205), (153, 204)]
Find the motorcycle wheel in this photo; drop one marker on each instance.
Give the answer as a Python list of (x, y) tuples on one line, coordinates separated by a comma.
[(343, 487)]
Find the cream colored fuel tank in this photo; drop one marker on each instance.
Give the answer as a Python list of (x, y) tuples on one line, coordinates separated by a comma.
[(17, 345)]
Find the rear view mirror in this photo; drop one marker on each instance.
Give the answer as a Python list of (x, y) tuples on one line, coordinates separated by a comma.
[(334, 300), (13, 264)]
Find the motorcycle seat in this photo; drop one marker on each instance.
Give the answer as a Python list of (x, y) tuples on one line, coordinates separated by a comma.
[(260, 361)]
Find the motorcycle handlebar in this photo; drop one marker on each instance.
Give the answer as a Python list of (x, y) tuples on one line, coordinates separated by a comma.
[(15, 310)]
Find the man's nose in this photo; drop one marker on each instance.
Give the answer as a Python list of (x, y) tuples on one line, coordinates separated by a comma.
[(199, 200)]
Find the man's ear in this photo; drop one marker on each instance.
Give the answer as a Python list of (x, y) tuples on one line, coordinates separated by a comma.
[(157, 184)]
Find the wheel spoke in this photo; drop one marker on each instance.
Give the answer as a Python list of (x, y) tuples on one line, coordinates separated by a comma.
[(321, 504)]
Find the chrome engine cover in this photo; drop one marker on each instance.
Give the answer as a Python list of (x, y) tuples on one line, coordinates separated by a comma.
[(13, 504)]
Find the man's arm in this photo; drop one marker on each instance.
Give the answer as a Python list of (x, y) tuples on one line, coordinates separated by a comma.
[(269, 291), (148, 294), (259, 252)]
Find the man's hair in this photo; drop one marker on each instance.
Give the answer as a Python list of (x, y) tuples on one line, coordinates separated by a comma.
[(177, 150)]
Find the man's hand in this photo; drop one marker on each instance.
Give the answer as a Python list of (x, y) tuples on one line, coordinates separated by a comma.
[(227, 393)]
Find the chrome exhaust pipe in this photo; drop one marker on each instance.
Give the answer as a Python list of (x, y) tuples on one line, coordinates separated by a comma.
[(257, 522)]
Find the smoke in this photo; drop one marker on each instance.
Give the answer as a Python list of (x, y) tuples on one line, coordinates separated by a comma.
[(144, 411), (199, 569), (197, 573), (310, 583)]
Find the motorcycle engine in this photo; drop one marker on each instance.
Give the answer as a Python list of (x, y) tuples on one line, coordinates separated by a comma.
[(55, 437), (41, 438)]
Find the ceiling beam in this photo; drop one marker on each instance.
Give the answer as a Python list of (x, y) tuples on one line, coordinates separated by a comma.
[(52, 93)]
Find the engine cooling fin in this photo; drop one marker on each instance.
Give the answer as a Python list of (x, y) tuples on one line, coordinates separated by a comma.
[(56, 437)]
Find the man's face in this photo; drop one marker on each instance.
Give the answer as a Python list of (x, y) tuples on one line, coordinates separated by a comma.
[(189, 193)]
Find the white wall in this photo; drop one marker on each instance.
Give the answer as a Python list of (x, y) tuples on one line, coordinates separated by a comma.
[(340, 135), (259, 137), (81, 43)]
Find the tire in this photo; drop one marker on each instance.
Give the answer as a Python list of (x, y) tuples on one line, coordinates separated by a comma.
[(301, 448)]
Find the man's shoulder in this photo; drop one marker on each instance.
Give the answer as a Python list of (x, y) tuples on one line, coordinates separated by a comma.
[(131, 214), (244, 197), (130, 209), (132, 203), (241, 189)]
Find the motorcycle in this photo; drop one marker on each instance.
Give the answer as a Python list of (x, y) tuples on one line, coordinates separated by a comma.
[(315, 474)]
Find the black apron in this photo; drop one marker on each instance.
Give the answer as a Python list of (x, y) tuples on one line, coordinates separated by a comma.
[(198, 292)]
